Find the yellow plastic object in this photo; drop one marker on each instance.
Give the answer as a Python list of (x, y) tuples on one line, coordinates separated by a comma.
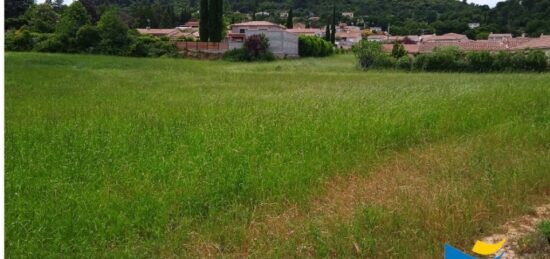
[(483, 248)]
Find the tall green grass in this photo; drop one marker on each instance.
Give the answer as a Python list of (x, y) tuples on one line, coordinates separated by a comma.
[(132, 157)]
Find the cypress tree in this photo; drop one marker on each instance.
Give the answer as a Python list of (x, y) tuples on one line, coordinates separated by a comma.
[(333, 34), (327, 32), (215, 29), (289, 20), (203, 23)]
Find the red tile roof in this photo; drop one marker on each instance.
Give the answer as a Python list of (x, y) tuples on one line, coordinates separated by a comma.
[(410, 48), (258, 24), (537, 43), (444, 37)]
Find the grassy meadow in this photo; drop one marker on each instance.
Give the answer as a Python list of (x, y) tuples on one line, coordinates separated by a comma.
[(125, 157)]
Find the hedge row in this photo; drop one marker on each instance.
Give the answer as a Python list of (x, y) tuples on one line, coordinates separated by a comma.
[(312, 46), (453, 59), (75, 33)]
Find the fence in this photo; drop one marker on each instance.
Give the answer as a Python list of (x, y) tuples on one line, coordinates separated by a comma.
[(203, 46)]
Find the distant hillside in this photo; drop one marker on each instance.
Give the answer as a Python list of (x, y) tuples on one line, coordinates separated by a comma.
[(402, 16)]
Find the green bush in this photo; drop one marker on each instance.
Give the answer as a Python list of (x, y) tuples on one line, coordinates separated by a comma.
[(535, 60), (419, 63), (87, 38), (384, 61), (41, 18), (51, 43), (445, 59), (404, 63), (518, 61), (480, 61), (312, 46), (502, 61), (149, 46), (20, 40), (114, 34), (398, 50), (367, 52), (255, 48), (236, 55)]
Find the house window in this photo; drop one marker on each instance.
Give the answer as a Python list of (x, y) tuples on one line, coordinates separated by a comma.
[(242, 30)]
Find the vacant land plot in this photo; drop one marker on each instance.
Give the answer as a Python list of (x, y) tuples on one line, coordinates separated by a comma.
[(126, 157)]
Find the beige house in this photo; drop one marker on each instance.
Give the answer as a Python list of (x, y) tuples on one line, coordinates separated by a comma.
[(449, 37), (499, 36)]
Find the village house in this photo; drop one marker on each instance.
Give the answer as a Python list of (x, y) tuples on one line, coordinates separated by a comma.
[(498, 43), (174, 33), (449, 37), (348, 14), (307, 32), (191, 24), (281, 42), (262, 14), (541, 43), (499, 36), (473, 25), (314, 19)]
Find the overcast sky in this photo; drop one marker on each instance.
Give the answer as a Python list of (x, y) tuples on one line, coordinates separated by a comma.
[(491, 3)]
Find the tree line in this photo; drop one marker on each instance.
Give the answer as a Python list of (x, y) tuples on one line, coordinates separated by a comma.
[(400, 17), (73, 29)]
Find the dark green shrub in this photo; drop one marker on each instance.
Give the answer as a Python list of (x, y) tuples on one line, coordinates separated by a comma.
[(41, 18), (367, 52), (312, 46), (404, 63), (114, 34), (50, 44), (535, 60), (384, 61), (74, 17), (502, 61), (87, 38), (398, 50), (236, 55), (419, 63), (479, 61), (149, 46), (20, 40), (255, 48), (445, 59), (518, 61)]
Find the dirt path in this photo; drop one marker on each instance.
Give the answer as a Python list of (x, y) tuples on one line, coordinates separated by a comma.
[(519, 228)]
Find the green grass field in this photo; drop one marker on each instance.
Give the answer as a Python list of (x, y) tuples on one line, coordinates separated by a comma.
[(123, 157)]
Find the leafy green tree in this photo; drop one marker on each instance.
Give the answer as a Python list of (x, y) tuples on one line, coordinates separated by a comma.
[(15, 8), (367, 52), (215, 16), (327, 32), (204, 21), (113, 32), (42, 18), (398, 50), (74, 17), (333, 28), (290, 19), (87, 38)]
